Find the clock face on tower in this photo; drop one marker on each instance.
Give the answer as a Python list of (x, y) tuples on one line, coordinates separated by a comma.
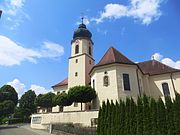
[(77, 42)]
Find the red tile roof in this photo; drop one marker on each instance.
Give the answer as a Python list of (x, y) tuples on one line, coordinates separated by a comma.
[(154, 67), (114, 56), (62, 83)]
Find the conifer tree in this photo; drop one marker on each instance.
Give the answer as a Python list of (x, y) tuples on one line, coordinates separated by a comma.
[(112, 118), (100, 123), (121, 112), (106, 118), (139, 130), (153, 117), (177, 114), (146, 115), (103, 117), (117, 119), (161, 118), (133, 109), (169, 115), (127, 117)]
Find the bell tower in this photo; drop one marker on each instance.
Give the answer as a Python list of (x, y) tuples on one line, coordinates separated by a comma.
[(81, 60)]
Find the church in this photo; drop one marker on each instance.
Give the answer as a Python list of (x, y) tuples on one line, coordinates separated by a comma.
[(114, 77)]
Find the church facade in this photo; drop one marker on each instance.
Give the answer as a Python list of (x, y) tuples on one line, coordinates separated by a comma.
[(114, 77)]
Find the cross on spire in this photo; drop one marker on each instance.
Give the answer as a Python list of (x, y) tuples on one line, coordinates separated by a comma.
[(82, 18)]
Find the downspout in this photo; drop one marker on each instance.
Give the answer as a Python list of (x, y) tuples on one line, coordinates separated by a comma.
[(173, 83), (138, 82)]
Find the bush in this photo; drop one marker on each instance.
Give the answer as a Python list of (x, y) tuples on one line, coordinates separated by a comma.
[(14, 120), (73, 128)]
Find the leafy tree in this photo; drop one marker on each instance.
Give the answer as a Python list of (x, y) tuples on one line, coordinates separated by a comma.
[(7, 107), (62, 100), (45, 100), (82, 94), (27, 103), (7, 92)]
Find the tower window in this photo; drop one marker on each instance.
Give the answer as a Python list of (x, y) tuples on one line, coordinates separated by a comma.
[(106, 80), (126, 82), (76, 49), (165, 89), (93, 83), (90, 62), (76, 60), (90, 53), (76, 74)]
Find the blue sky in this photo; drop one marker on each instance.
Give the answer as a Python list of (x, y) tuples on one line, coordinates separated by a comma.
[(35, 36)]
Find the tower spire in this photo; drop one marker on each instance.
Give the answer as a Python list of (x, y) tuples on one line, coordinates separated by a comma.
[(82, 18)]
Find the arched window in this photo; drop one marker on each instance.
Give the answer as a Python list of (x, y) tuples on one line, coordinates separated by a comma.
[(165, 89), (90, 53), (106, 81), (76, 49)]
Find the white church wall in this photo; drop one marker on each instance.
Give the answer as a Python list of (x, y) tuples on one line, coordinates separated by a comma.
[(134, 89), (105, 92), (176, 80), (146, 85), (155, 83)]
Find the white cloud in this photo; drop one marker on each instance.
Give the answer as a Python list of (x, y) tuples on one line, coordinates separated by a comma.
[(14, 13), (21, 88), (51, 49), (167, 61), (12, 53), (39, 89), (146, 11), (157, 56)]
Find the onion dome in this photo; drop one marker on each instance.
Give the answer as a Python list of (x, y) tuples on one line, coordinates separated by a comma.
[(82, 32)]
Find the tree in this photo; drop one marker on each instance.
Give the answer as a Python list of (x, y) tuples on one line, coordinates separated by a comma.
[(45, 100), (7, 92), (169, 115), (82, 94), (121, 110), (7, 108), (62, 100), (27, 103), (139, 117), (146, 115), (176, 109), (153, 116), (161, 118)]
